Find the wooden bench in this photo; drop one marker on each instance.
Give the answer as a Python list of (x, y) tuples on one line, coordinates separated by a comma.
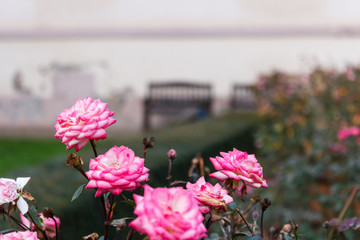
[(243, 98), (172, 99)]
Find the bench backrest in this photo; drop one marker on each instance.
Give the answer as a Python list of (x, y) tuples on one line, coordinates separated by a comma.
[(243, 98)]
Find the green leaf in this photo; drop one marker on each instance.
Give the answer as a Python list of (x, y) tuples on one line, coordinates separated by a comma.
[(78, 192), (130, 202), (232, 205), (36, 219), (101, 238), (289, 238), (226, 220), (33, 209), (256, 237), (241, 234)]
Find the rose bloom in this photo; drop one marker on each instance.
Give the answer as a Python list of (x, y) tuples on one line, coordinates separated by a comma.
[(238, 167), (168, 214), (48, 225), (87, 119), (209, 196), (348, 132), (117, 170), (11, 192), (27, 235)]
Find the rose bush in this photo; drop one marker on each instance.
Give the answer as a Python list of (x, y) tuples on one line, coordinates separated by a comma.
[(161, 213)]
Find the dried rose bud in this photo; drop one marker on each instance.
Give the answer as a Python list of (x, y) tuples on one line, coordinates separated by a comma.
[(172, 154), (48, 212), (148, 142), (265, 203), (74, 160)]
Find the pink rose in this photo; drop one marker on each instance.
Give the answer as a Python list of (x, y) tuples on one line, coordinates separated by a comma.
[(27, 235), (168, 214), (348, 132), (87, 119), (11, 192), (48, 225), (209, 196), (240, 167), (117, 170)]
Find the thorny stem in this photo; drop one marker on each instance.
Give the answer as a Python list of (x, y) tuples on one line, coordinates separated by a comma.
[(56, 228), (102, 198), (347, 204), (246, 222), (43, 232)]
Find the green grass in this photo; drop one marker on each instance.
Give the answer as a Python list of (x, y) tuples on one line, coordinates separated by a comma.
[(15, 153)]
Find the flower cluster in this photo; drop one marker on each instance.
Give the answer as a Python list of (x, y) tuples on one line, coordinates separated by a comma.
[(171, 213), (86, 120)]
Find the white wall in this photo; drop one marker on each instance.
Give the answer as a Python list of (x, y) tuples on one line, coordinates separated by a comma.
[(123, 63)]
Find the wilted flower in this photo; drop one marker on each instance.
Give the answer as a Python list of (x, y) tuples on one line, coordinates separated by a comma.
[(11, 192), (87, 119), (27, 235), (117, 170), (238, 167), (168, 213), (47, 224), (209, 196)]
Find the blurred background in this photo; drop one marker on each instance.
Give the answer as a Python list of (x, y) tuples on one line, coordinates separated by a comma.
[(234, 71)]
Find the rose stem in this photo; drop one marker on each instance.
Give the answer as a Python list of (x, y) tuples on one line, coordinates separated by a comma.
[(169, 172), (102, 196), (56, 228), (345, 208), (43, 232), (18, 222), (246, 223)]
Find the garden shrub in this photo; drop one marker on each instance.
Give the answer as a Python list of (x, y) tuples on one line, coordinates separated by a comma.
[(313, 169)]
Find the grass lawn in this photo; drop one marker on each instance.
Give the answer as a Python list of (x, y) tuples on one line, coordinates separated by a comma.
[(19, 153)]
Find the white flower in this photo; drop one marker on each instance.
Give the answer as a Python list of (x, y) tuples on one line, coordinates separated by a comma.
[(11, 192)]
